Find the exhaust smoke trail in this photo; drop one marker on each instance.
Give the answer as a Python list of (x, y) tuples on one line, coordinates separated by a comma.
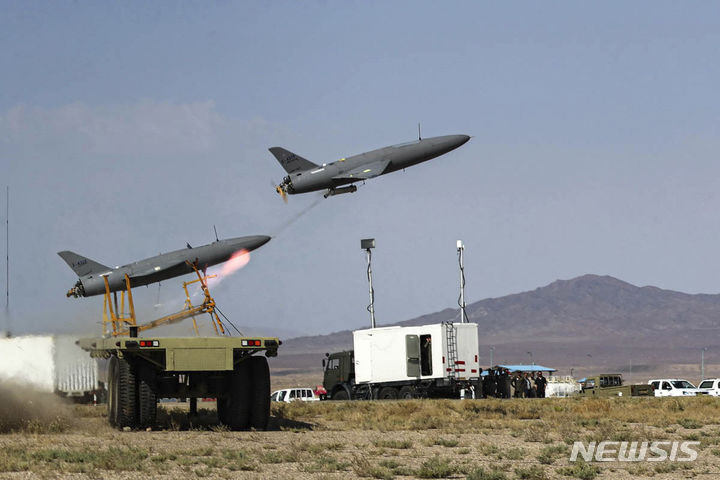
[(297, 217)]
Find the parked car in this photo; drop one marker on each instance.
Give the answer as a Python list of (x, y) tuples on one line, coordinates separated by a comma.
[(673, 387), (709, 386), (294, 394)]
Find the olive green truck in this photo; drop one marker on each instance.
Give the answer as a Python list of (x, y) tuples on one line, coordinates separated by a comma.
[(611, 385), (142, 370)]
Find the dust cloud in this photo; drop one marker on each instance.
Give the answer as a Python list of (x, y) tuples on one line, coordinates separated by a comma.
[(24, 409)]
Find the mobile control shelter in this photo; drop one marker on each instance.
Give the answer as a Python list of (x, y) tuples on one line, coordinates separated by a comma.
[(438, 360)]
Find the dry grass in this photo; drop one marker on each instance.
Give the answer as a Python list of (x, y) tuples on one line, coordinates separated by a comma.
[(483, 439)]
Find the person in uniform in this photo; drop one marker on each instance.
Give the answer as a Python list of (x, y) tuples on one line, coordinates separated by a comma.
[(507, 384), (540, 384)]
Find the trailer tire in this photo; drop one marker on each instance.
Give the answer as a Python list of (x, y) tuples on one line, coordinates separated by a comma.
[(113, 373), (341, 394), (147, 398), (126, 395), (237, 407), (388, 393), (407, 392), (260, 392)]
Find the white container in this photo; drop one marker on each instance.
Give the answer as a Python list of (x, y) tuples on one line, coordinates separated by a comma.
[(51, 363), (396, 354)]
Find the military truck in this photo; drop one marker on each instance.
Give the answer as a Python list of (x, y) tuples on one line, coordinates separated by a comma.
[(143, 370), (438, 361), (611, 385)]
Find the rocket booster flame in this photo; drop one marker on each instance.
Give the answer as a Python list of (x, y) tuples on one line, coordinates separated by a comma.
[(237, 261)]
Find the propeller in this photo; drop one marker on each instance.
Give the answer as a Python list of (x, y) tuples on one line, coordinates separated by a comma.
[(280, 189)]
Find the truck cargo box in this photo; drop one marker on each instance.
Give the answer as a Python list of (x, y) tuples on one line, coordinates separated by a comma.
[(437, 351)]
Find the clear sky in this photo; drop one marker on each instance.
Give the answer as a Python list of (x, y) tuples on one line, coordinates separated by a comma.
[(130, 128)]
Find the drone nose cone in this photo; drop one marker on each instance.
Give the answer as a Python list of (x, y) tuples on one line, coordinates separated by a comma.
[(257, 241), (459, 140)]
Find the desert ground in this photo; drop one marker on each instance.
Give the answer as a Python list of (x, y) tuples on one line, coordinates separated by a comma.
[(476, 439)]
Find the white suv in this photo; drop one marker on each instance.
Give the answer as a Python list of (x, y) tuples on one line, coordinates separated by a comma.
[(710, 386), (673, 387), (294, 394)]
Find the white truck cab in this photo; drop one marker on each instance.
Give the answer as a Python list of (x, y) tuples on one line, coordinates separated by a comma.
[(294, 394), (673, 387), (709, 386)]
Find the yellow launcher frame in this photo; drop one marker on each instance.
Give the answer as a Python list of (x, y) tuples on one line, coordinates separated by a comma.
[(121, 322)]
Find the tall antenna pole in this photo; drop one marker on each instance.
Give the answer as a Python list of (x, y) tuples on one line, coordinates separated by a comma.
[(461, 300), (367, 244), (7, 257)]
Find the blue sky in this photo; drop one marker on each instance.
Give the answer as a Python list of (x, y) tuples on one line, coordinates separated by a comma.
[(129, 128)]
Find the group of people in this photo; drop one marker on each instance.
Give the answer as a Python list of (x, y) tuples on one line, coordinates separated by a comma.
[(500, 383)]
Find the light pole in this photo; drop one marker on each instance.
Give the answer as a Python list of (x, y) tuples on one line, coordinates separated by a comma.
[(571, 372), (367, 244), (702, 363), (492, 349), (530, 358)]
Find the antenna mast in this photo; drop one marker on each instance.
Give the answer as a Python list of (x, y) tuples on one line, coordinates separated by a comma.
[(368, 244), (461, 300), (7, 257)]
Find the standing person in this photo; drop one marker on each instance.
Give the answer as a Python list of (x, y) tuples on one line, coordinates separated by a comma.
[(540, 383), (532, 393), (501, 383), (506, 384), (492, 385), (525, 385), (515, 385)]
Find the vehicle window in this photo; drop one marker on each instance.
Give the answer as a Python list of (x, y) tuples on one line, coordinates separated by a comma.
[(682, 384), (293, 394), (603, 381), (281, 395), (706, 384), (333, 364), (590, 384), (309, 393), (616, 381), (655, 385), (666, 386)]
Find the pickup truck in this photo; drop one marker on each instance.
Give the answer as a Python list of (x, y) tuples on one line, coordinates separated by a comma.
[(709, 386), (673, 387), (611, 385)]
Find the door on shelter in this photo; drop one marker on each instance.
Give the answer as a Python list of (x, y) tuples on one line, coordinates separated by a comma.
[(412, 353)]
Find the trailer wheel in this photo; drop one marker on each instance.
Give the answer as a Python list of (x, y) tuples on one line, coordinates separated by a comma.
[(260, 396), (407, 392), (237, 407), (113, 373), (147, 399), (388, 393), (126, 395), (340, 395)]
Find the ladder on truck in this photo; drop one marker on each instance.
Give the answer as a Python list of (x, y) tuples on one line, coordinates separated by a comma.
[(451, 343)]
